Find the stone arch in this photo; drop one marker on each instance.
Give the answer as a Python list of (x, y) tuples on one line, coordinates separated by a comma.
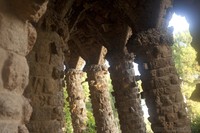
[(92, 24)]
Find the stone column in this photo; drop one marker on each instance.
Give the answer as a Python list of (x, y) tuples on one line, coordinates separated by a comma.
[(76, 98), (126, 93), (100, 99), (45, 86), (16, 40), (160, 81)]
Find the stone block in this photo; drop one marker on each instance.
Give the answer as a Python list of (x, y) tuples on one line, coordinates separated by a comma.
[(45, 41), (35, 86), (42, 114), (171, 117), (166, 110), (27, 110), (162, 82), (153, 73), (158, 91), (56, 100), (9, 127), (172, 89), (173, 70), (32, 35), (39, 100), (10, 106), (179, 96), (58, 73), (175, 79), (40, 69), (161, 119), (178, 106), (166, 100), (50, 86), (180, 123), (159, 63), (15, 73), (172, 98), (182, 114), (163, 71), (58, 113), (22, 129), (14, 35), (57, 60), (166, 51), (52, 126)]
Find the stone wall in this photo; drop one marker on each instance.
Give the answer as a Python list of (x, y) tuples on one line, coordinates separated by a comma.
[(16, 40), (45, 86), (14, 108)]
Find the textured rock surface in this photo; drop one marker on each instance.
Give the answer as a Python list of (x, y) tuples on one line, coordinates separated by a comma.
[(100, 99), (76, 100), (15, 38), (160, 82), (45, 85), (126, 94), (142, 15), (92, 30)]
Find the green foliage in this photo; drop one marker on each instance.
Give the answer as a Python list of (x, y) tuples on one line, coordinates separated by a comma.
[(148, 126), (91, 127), (110, 86), (188, 70), (185, 57), (68, 124), (196, 125), (91, 122)]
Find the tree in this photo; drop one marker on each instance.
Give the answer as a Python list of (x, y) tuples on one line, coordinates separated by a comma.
[(188, 70), (185, 57)]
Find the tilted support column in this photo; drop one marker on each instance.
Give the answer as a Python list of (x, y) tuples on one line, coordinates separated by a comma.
[(160, 81), (15, 109), (45, 88), (126, 92), (100, 99), (76, 100)]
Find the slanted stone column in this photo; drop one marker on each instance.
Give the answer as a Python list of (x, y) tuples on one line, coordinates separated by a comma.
[(160, 81), (126, 93), (16, 40), (15, 110), (100, 98), (91, 50), (76, 96), (45, 86), (76, 100)]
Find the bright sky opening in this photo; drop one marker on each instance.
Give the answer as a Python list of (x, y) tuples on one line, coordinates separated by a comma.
[(179, 23)]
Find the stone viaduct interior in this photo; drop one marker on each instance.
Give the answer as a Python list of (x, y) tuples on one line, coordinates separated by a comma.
[(39, 37)]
